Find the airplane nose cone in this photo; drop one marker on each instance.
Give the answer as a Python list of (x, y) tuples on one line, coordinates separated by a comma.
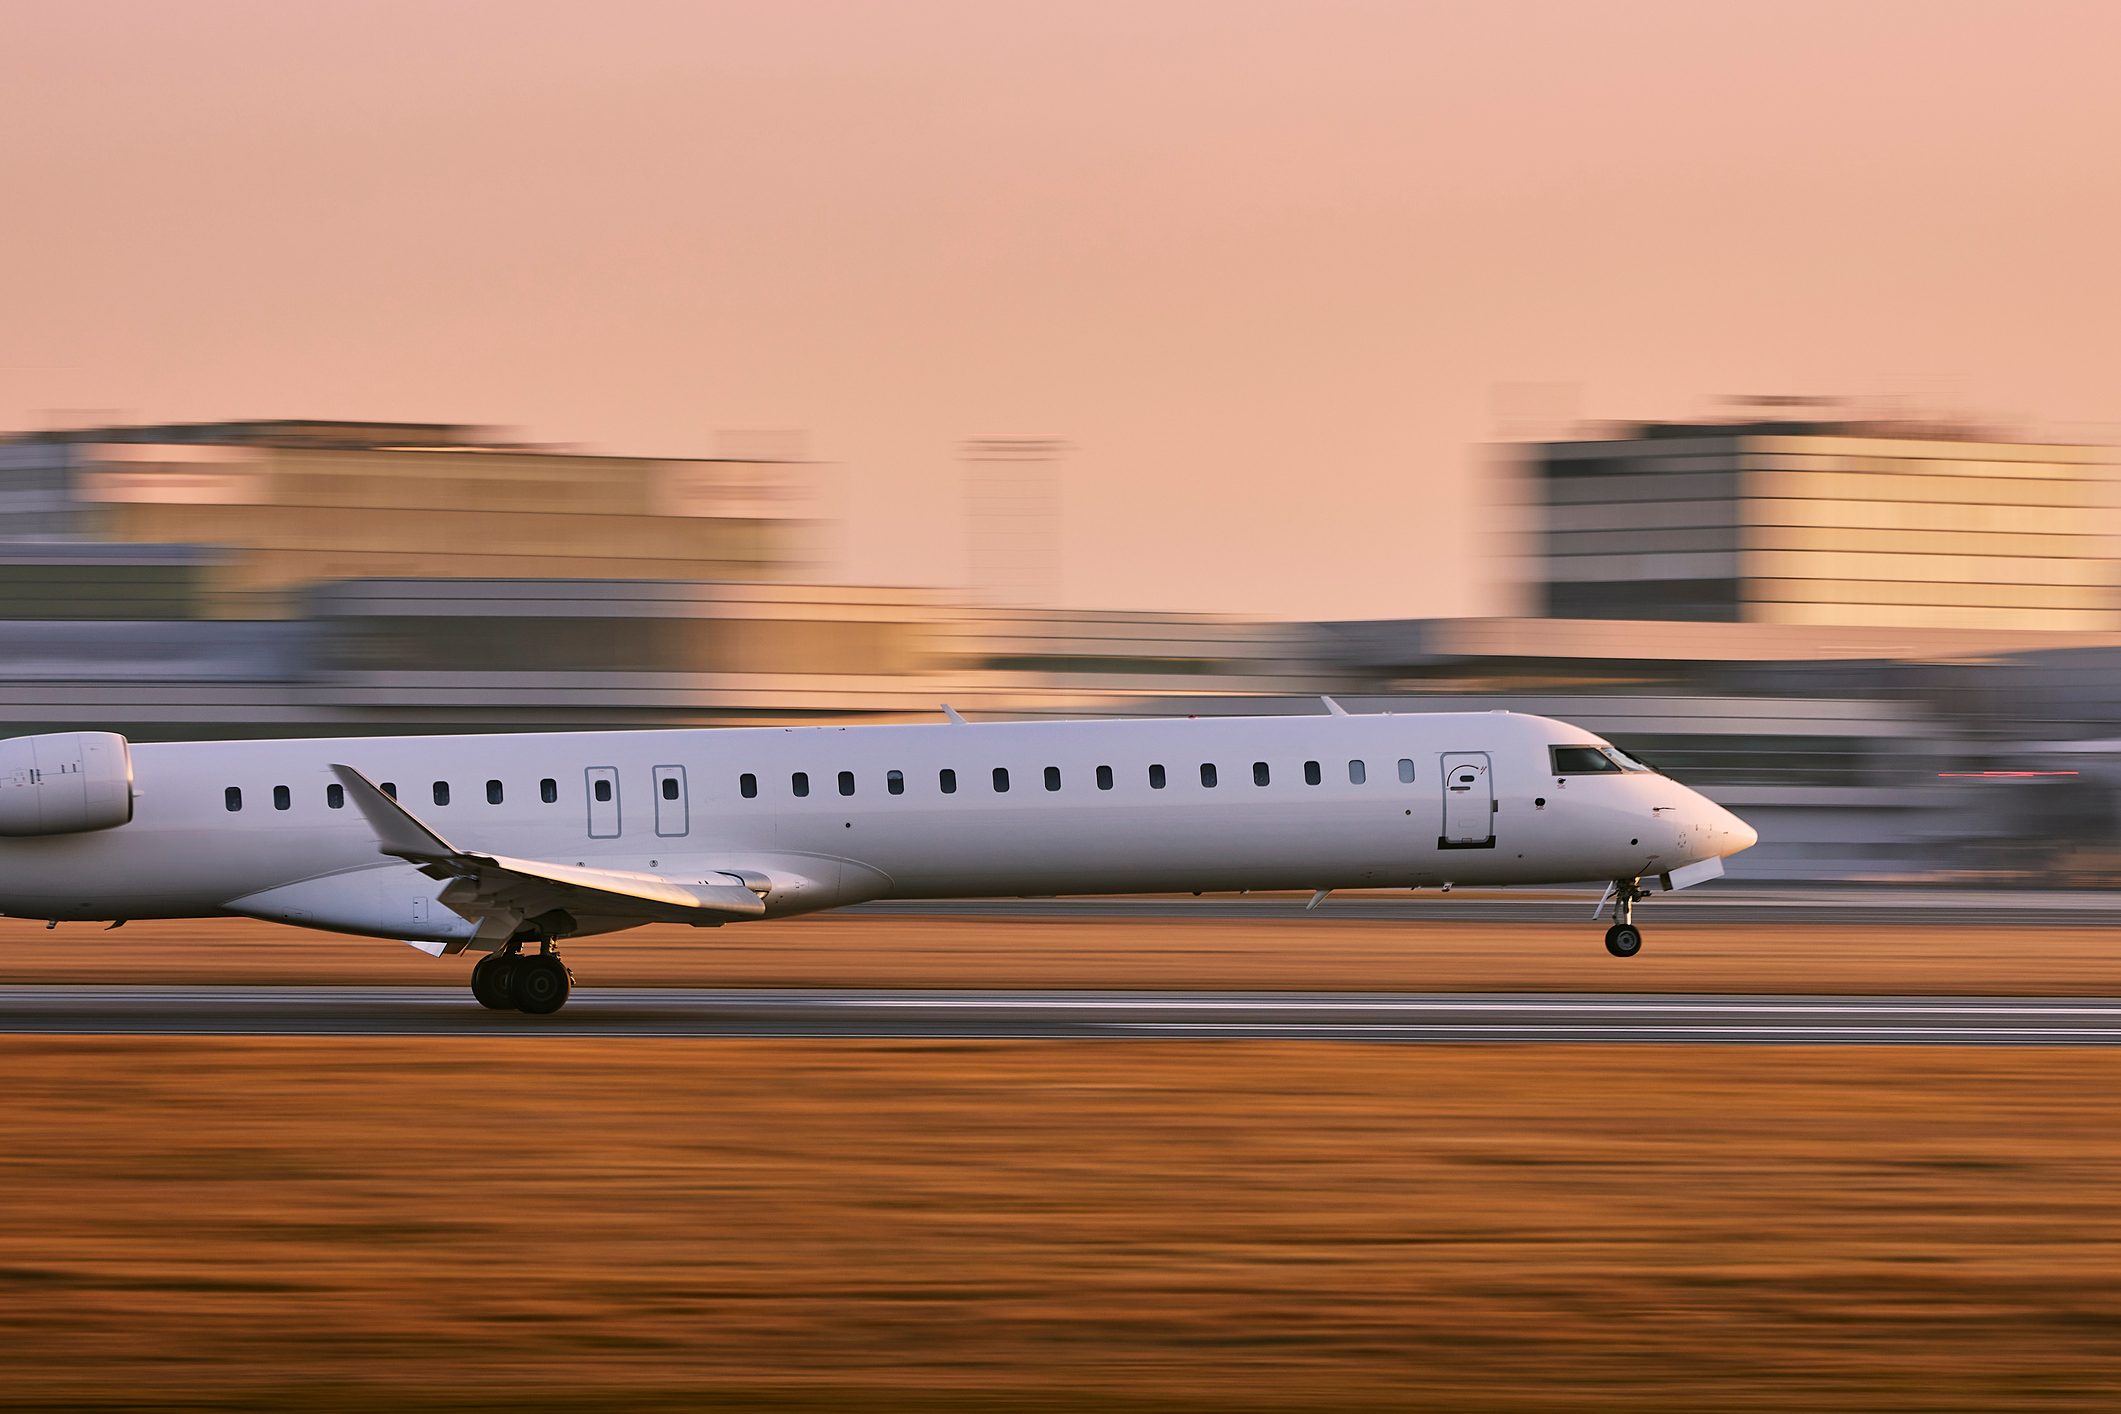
[(1733, 833)]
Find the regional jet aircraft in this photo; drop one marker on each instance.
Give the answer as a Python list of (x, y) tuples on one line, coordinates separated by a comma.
[(503, 845)]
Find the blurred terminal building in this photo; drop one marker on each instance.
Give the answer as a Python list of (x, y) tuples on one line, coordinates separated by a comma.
[(1895, 647)]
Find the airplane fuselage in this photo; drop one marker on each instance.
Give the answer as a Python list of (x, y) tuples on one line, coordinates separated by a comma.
[(815, 817)]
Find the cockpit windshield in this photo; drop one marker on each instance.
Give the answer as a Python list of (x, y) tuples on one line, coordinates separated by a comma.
[(1596, 761), (1630, 763), (1583, 761)]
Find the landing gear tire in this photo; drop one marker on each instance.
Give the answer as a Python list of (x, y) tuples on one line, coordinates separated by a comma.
[(539, 984), (1623, 940), (489, 981)]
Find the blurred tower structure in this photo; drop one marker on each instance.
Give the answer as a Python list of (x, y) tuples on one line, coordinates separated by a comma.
[(1013, 492), (1826, 522)]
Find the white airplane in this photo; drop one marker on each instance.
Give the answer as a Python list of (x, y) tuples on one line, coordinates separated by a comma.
[(495, 843)]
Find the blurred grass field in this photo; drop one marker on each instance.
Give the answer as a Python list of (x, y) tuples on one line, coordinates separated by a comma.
[(636, 1224)]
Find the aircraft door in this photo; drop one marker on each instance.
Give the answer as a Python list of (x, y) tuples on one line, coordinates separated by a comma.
[(1468, 802), (671, 806), (603, 802)]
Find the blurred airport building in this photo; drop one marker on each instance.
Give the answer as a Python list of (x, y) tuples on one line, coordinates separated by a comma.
[(1827, 523), (1788, 615), (288, 504)]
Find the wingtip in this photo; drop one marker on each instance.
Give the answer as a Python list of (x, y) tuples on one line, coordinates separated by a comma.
[(1334, 707)]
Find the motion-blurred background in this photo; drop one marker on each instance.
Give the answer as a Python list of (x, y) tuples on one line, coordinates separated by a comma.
[(1728, 379)]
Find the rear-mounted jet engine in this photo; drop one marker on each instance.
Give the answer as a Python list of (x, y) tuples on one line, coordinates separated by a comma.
[(65, 783)]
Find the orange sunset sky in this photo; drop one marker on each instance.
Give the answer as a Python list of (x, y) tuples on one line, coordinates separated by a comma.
[(1274, 270)]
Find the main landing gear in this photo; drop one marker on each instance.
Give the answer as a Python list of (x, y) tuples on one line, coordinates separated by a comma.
[(1624, 939), (513, 980)]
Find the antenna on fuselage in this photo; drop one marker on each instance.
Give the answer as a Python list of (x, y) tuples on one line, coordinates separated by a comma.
[(1334, 707), (951, 713)]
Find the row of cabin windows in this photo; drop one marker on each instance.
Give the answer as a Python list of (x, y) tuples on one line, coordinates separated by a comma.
[(799, 784), (335, 794), (946, 780)]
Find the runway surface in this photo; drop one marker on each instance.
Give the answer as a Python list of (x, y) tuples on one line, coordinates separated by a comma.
[(1082, 1015), (1720, 902)]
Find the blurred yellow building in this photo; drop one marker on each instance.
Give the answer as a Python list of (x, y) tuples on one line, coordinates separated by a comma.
[(287, 504), (1827, 521)]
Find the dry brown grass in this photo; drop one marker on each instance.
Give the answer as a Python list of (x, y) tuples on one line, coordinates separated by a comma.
[(1320, 952), (804, 1225), (535, 1225)]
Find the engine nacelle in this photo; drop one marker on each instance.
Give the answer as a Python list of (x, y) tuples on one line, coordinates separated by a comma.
[(65, 783)]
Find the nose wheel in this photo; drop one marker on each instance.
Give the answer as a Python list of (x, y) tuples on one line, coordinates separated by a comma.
[(537, 983), (1624, 939)]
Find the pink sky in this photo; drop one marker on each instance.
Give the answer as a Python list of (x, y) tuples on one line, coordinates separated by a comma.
[(1272, 269)]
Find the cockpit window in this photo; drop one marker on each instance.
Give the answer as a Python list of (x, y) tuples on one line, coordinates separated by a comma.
[(1629, 763), (1583, 761)]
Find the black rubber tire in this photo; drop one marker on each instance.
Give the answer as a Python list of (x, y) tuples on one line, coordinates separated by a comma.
[(539, 984), (489, 982), (1623, 940)]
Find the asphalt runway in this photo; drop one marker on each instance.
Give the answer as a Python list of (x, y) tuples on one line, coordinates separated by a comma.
[(1717, 902), (1517, 1017)]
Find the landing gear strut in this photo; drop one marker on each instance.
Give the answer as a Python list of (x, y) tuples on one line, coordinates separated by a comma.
[(1624, 939), (512, 980)]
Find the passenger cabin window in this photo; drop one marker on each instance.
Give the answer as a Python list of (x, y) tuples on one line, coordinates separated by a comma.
[(1583, 761), (670, 788), (602, 792), (895, 782), (1312, 775), (233, 797), (1357, 773), (1406, 771), (335, 796), (1053, 778), (747, 785), (1156, 778), (947, 779), (800, 783), (493, 792), (1207, 774), (1104, 778), (282, 798), (846, 783), (1259, 773), (1001, 779), (441, 792), (549, 791)]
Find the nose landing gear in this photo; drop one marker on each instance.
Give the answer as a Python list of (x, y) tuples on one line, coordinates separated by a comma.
[(1624, 939), (512, 980)]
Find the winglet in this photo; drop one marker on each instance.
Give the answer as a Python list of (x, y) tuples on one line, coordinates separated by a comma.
[(1317, 898), (398, 831), (1334, 707), (951, 713)]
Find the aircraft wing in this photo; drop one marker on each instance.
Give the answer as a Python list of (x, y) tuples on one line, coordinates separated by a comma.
[(483, 884)]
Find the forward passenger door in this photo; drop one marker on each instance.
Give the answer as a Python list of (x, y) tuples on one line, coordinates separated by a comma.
[(1468, 802)]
